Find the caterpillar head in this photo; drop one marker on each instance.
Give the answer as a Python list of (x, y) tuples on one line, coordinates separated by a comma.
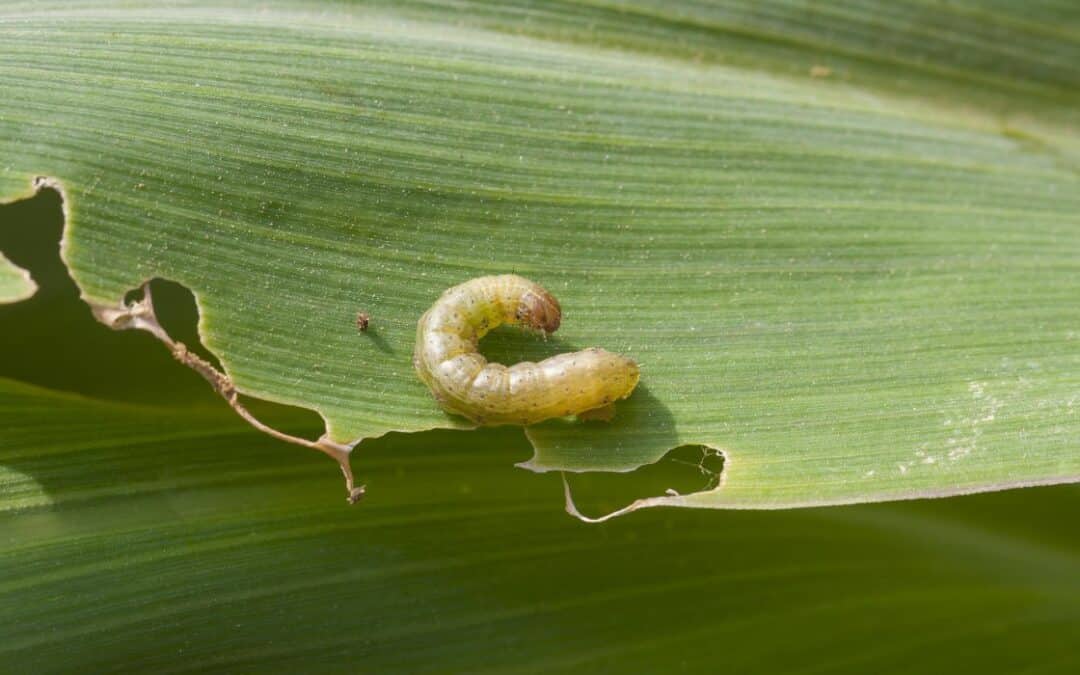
[(540, 310)]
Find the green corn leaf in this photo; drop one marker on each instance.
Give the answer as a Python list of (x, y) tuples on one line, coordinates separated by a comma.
[(843, 240)]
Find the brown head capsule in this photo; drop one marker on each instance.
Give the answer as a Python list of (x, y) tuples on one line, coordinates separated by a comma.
[(464, 383)]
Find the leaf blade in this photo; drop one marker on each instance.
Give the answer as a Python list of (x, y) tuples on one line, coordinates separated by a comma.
[(816, 277)]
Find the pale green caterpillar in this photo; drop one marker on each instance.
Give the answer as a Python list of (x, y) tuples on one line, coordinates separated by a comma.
[(464, 383)]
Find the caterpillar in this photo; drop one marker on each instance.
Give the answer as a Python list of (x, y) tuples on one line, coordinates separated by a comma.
[(464, 383)]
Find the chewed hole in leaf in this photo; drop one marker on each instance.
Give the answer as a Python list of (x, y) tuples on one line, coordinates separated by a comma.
[(59, 343), (61, 346), (683, 470), (177, 312)]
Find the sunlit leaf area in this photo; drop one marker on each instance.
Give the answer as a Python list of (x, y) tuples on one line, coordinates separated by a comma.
[(841, 240)]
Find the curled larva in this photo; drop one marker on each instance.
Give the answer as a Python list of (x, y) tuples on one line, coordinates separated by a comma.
[(464, 383)]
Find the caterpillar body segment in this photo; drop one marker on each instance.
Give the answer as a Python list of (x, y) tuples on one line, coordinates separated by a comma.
[(464, 383)]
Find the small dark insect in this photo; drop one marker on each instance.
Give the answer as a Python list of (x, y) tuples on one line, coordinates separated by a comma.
[(362, 321)]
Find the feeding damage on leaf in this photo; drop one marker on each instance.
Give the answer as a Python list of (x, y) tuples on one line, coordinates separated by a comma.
[(684, 471), (600, 377), (139, 314)]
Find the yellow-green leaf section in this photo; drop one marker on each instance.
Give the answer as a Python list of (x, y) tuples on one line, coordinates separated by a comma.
[(15, 282), (843, 242)]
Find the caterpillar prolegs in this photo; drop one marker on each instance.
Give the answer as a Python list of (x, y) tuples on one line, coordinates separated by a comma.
[(464, 383)]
